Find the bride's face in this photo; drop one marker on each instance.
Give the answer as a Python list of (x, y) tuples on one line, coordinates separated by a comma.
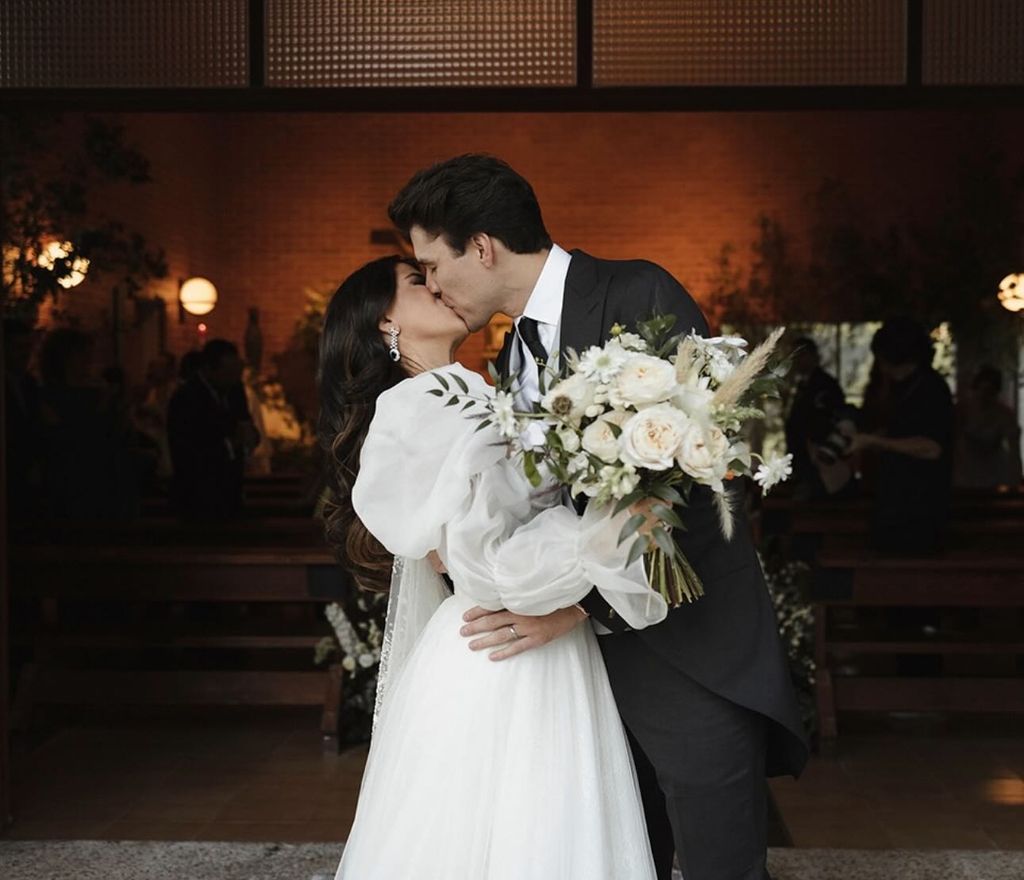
[(421, 315)]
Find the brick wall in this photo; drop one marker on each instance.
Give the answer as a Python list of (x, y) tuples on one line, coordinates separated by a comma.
[(267, 205)]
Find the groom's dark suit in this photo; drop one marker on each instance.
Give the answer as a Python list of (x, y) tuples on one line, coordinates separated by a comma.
[(706, 694)]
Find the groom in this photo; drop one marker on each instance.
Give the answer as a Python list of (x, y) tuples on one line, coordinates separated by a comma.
[(706, 694)]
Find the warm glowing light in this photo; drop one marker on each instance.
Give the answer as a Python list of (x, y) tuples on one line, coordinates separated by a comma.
[(58, 251), (198, 296), (1011, 292), (1005, 791), (201, 328)]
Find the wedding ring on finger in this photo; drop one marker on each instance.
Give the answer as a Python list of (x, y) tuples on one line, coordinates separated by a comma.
[(515, 635)]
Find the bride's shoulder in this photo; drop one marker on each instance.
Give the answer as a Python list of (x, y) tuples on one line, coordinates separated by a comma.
[(439, 377)]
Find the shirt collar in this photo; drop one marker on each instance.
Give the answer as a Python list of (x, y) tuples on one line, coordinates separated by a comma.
[(545, 302)]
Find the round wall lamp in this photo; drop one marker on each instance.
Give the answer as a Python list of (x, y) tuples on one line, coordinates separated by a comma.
[(1011, 293), (197, 296)]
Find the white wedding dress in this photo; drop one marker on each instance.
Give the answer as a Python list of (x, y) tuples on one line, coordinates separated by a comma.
[(484, 770)]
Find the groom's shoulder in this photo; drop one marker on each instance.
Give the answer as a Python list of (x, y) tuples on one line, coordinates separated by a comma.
[(628, 271)]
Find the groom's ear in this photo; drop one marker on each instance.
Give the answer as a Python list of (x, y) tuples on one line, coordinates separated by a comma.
[(481, 246)]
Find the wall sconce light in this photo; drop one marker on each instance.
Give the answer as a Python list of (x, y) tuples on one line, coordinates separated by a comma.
[(197, 296), (1011, 293)]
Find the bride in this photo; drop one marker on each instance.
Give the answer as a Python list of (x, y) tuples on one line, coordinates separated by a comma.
[(477, 770)]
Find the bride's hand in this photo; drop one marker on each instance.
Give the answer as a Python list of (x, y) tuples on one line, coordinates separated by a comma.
[(495, 628), (436, 562)]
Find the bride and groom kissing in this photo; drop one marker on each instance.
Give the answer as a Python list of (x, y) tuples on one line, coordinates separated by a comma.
[(548, 717)]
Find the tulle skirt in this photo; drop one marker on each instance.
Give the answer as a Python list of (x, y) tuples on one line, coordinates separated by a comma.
[(515, 770)]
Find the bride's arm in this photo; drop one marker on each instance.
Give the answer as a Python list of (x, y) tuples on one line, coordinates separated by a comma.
[(537, 563)]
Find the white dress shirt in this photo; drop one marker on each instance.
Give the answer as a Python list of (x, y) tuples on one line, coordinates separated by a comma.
[(545, 307)]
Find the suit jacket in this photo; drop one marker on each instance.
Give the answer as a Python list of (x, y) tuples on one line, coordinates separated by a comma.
[(728, 639)]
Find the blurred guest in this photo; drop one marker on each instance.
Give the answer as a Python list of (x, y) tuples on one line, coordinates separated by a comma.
[(189, 365), (23, 426), (814, 432), (210, 433), (988, 435), (907, 441), (83, 436), (151, 410)]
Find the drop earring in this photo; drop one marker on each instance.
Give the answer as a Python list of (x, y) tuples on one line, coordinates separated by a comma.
[(393, 351)]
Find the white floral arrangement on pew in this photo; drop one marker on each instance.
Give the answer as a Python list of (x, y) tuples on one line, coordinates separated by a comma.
[(648, 415), (357, 637)]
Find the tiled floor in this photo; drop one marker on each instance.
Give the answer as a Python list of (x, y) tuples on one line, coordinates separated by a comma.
[(264, 777)]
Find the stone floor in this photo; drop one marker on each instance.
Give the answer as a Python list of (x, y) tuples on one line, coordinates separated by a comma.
[(108, 860), (263, 777)]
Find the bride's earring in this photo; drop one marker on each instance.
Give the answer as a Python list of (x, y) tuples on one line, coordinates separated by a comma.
[(396, 355)]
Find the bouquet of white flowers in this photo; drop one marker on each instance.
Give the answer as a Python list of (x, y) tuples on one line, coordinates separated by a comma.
[(647, 415)]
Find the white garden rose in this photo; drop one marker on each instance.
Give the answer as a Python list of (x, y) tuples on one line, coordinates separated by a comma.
[(704, 454), (348, 664), (569, 398), (651, 438), (599, 439), (642, 381)]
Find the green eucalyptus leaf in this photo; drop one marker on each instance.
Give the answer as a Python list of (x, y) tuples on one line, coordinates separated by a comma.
[(636, 551), (631, 526)]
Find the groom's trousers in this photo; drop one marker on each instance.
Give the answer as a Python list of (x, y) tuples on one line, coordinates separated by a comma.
[(700, 763)]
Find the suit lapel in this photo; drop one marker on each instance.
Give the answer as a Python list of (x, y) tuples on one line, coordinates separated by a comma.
[(505, 355), (582, 311)]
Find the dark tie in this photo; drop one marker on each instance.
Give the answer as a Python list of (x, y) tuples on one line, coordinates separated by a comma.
[(531, 336)]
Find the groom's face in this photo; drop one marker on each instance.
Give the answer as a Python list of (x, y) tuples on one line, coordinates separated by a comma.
[(462, 280)]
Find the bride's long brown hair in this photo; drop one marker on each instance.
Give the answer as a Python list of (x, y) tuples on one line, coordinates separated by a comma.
[(354, 368)]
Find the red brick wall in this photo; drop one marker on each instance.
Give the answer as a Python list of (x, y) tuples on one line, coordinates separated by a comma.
[(266, 205)]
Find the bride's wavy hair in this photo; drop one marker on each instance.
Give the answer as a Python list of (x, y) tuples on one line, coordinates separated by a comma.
[(354, 369)]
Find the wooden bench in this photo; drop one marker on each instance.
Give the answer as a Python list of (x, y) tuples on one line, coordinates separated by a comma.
[(146, 593), (981, 579)]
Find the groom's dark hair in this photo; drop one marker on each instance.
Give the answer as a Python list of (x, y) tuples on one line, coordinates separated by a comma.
[(469, 194)]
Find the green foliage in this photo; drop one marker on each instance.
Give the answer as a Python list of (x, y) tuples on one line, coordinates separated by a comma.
[(50, 189)]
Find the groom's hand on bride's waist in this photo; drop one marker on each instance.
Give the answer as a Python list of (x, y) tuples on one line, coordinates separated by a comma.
[(512, 633)]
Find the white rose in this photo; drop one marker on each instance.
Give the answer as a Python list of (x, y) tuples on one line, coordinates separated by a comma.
[(703, 454), (600, 440), (366, 660), (651, 438), (348, 664), (570, 398), (642, 381)]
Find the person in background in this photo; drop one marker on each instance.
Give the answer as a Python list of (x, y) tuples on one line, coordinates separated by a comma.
[(812, 423), (988, 436), (210, 433), (907, 441), (83, 436)]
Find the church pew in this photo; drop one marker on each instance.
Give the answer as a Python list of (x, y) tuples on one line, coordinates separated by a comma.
[(293, 579)]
